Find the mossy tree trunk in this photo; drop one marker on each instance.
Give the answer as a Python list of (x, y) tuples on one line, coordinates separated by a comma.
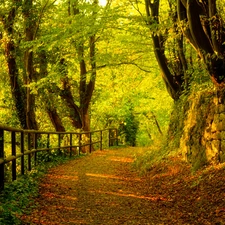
[(18, 92), (30, 27)]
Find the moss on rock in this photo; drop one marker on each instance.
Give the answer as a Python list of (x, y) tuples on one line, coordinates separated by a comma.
[(197, 127)]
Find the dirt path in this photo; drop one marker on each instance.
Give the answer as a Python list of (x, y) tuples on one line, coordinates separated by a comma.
[(102, 188)]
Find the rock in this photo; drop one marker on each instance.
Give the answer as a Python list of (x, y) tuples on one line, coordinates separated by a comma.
[(222, 157), (216, 136), (223, 146), (212, 152), (221, 108), (222, 117), (222, 135), (216, 101), (213, 127), (216, 118), (221, 126)]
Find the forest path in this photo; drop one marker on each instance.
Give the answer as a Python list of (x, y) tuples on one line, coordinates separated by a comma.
[(103, 188)]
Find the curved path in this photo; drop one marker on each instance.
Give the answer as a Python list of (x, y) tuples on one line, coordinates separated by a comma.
[(102, 188)]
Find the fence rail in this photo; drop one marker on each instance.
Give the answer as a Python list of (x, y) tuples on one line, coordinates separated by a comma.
[(28, 143)]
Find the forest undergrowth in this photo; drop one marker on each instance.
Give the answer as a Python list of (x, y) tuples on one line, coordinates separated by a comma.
[(106, 188)]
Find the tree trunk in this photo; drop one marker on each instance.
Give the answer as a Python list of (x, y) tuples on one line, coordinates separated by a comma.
[(55, 119), (86, 127), (30, 109), (48, 102), (196, 28), (80, 115), (28, 62), (206, 35), (17, 90), (174, 81), (66, 95)]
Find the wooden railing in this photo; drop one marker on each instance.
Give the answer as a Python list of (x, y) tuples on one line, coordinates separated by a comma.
[(25, 145)]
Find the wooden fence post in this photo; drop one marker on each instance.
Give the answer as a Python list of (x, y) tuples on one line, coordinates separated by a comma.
[(13, 145), (117, 142), (109, 137), (79, 144), (71, 143), (59, 144), (29, 148), (90, 146), (101, 140), (22, 152), (35, 147), (2, 174), (48, 145)]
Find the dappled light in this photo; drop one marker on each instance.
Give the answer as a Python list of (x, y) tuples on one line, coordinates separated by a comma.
[(130, 195), (112, 112), (122, 159), (60, 196), (108, 176), (109, 191), (63, 177)]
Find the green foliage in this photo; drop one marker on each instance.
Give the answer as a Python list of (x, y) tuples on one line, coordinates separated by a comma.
[(18, 196), (47, 156), (126, 66), (116, 94), (129, 128)]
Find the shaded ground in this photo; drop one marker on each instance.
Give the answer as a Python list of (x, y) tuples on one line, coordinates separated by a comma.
[(102, 188)]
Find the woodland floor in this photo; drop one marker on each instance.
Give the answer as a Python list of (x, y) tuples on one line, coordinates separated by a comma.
[(104, 188)]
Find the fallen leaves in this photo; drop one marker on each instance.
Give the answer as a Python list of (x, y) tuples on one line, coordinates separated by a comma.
[(104, 189)]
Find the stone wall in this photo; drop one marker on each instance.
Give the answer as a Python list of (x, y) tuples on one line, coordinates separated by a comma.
[(202, 140)]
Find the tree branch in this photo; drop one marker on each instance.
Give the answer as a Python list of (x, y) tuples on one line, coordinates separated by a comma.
[(196, 28), (123, 63)]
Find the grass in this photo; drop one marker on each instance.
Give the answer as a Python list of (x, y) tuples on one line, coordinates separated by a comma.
[(147, 157)]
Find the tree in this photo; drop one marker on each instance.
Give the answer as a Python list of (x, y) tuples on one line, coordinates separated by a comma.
[(57, 68), (174, 69), (20, 69), (48, 97), (30, 27), (11, 48), (204, 28)]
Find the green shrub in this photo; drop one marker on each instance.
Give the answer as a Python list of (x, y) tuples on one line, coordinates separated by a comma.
[(18, 196)]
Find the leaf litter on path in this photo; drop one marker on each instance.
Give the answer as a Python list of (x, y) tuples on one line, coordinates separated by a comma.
[(104, 188)]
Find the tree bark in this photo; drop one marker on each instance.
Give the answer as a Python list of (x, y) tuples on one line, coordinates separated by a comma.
[(17, 90), (182, 16), (81, 113), (55, 119), (173, 81), (50, 109), (196, 28), (29, 19), (207, 35), (215, 24), (66, 95)]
